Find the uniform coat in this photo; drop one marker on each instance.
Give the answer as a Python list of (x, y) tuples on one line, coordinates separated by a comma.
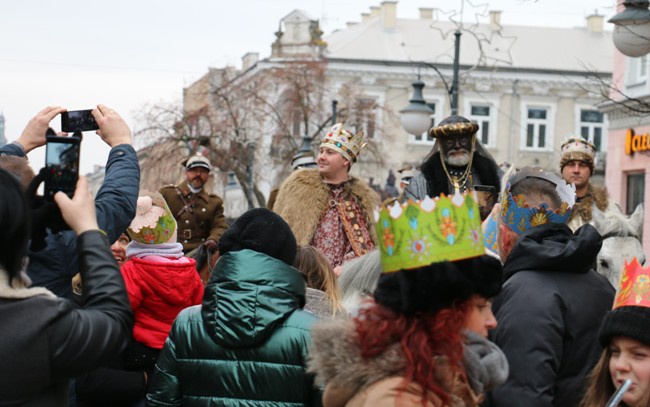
[(303, 198), (205, 221)]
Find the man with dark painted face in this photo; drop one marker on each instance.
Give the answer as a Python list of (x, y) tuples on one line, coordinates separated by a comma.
[(457, 162)]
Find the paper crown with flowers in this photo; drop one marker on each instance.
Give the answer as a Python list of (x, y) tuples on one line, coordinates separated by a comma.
[(520, 217), (420, 233), (153, 222), (634, 286), (343, 141), (576, 148), (490, 234)]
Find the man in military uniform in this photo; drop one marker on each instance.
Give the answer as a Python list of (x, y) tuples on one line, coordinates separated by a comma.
[(199, 215)]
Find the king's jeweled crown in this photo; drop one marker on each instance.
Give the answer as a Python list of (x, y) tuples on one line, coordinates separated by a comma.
[(343, 141), (420, 233), (519, 216), (634, 286)]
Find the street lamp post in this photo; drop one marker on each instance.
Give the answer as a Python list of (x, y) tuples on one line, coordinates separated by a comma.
[(632, 32), (416, 117)]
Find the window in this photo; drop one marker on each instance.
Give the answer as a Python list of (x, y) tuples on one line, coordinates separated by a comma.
[(424, 137), (364, 117), (635, 191), (537, 128), (637, 70), (591, 127), (482, 114)]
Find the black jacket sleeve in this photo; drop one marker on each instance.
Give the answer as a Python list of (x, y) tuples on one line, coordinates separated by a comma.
[(86, 338)]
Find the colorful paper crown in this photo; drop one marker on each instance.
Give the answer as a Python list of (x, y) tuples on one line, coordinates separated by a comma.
[(519, 216), (420, 233), (576, 148), (153, 222), (490, 234), (343, 141), (634, 286)]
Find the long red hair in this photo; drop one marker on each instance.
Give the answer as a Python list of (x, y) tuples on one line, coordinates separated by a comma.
[(422, 337)]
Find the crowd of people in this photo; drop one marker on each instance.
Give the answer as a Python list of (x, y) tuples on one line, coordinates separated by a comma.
[(470, 287)]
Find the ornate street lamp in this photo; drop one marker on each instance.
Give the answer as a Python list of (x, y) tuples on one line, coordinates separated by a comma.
[(632, 32), (416, 117)]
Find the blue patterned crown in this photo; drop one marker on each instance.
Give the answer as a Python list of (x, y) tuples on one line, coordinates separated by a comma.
[(520, 217)]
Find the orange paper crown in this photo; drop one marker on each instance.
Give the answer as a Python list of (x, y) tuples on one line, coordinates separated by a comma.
[(634, 286)]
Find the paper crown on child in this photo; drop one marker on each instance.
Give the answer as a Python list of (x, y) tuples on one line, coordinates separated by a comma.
[(420, 233), (344, 142), (634, 286), (576, 148), (153, 222), (630, 316), (520, 217)]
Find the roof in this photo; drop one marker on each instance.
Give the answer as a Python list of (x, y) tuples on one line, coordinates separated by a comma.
[(544, 48)]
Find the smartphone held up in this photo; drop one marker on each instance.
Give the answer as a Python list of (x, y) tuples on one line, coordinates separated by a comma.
[(81, 120), (62, 163)]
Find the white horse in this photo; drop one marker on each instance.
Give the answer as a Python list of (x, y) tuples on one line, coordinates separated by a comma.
[(621, 241)]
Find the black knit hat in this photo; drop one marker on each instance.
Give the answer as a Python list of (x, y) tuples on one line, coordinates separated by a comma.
[(630, 321), (439, 285), (262, 231)]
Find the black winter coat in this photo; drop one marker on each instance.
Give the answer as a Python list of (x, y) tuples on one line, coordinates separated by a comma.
[(45, 341), (548, 314)]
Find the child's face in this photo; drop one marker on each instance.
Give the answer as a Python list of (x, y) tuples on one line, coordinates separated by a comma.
[(630, 360)]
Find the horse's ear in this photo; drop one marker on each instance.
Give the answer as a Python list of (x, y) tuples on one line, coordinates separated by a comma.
[(636, 219)]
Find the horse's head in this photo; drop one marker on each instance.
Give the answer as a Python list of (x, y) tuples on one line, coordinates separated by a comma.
[(621, 241)]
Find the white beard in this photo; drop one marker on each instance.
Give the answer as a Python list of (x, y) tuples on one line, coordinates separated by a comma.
[(458, 160)]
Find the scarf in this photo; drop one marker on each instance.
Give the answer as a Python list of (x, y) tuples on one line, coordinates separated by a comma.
[(485, 364), (139, 250)]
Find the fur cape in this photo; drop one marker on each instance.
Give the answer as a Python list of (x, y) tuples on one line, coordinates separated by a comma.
[(437, 182), (303, 198), (595, 196)]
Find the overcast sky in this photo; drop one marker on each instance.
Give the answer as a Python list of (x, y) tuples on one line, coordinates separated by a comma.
[(127, 53)]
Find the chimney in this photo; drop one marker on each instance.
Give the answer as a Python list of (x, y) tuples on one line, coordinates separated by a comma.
[(389, 14), (595, 23), (374, 11), (426, 13), (249, 59), (495, 20), (350, 24), (365, 17)]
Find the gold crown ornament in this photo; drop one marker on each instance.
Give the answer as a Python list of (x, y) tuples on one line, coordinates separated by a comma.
[(419, 233), (344, 142)]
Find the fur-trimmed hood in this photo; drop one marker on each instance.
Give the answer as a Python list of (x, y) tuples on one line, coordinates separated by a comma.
[(336, 360), (304, 196)]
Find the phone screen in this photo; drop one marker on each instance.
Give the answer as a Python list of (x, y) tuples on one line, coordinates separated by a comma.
[(62, 162), (81, 120)]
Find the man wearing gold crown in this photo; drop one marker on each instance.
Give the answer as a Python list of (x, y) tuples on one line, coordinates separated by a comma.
[(457, 162), (552, 301), (327, 207), (577, 166)]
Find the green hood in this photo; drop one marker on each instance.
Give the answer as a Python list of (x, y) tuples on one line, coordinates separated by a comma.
[(248, 294)]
